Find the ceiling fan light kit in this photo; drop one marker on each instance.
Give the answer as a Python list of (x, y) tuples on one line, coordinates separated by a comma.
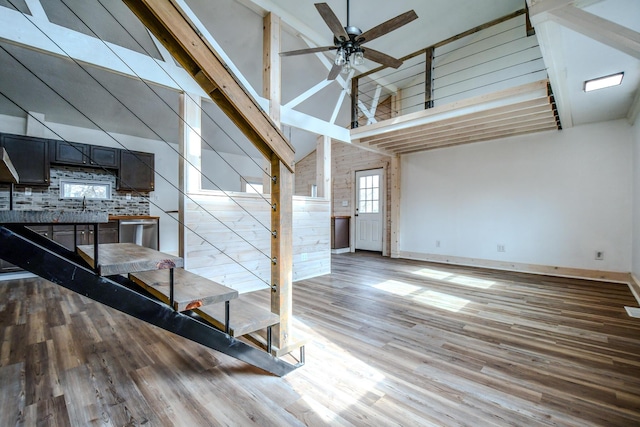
[(348, 40)]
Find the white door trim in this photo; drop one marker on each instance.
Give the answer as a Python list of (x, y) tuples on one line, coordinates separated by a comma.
[(383, 207)]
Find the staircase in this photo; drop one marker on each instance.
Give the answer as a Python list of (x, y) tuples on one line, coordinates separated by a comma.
[(149, 285)]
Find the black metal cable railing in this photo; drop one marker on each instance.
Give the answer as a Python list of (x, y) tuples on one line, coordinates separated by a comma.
[(159, 137), (492, 61)]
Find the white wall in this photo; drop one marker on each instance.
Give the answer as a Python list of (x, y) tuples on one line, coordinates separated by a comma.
[(552, 199), (226, 175), (636, 199)]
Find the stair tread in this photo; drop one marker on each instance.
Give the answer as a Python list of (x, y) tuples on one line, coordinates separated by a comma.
[(190, 290), (122, 258), (244, 317)]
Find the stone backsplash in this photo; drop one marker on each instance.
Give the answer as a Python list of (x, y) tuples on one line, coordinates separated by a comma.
[(42, 198)]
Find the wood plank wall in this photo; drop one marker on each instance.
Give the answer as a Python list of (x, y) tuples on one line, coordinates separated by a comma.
[(346, 159), (305, 175), (212, 249)]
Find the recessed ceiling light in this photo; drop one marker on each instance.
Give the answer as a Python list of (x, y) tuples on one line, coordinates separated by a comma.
[(602, 82)]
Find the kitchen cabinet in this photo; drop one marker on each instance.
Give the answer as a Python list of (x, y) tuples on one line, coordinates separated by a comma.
[(83, 235), (106, 157), (136, 171), (30, 157), (74, 153), (68, 153), (7, 267)]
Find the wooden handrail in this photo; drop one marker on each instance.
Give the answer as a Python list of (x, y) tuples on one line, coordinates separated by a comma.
[(168, 22)]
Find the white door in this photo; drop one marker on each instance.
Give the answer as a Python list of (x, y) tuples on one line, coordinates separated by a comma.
[(369, 204)]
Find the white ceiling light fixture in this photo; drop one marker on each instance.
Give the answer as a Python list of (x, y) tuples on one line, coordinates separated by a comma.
[(602, 82)]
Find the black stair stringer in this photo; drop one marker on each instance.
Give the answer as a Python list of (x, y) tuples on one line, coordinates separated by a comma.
[(39, 260)]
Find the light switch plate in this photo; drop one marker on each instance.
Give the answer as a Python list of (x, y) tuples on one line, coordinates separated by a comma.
[(345, 203)]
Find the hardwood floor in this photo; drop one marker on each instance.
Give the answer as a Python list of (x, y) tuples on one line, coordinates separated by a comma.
[(393, 342)]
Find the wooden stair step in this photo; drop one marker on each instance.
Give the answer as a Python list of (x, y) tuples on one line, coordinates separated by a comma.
[(244, 317), (122, 258), (190, 290)]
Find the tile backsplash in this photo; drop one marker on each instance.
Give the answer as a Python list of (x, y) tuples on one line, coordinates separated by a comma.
[(48, 198)]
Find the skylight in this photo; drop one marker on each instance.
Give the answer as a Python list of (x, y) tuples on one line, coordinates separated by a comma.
[(602, 82)]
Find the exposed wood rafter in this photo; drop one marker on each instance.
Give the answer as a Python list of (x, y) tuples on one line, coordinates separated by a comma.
[(172, 27)]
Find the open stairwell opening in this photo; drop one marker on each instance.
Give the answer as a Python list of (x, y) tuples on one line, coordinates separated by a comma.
[(180, 293)]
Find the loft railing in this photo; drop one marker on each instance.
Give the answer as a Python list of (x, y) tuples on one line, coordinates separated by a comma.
[(494, 56)]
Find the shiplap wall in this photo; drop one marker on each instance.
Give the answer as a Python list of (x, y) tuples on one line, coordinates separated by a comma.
[(495, 58), (346, 160), (305, 175), (214, 251)]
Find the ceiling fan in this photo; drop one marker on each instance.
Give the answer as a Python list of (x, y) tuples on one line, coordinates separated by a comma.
[(348, 41)]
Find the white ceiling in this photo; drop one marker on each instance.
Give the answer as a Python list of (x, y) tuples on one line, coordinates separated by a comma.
[(236, 25)]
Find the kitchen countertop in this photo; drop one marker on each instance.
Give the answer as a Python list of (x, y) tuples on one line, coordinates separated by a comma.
[(125, 217), (52, 217)]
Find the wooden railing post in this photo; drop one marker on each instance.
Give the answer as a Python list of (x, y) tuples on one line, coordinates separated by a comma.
[(428, 78), (282, 253)]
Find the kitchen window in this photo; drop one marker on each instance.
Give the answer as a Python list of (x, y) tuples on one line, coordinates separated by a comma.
[(97, 190)]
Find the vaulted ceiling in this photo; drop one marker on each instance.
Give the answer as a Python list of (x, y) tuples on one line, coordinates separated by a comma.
[(573, 51)]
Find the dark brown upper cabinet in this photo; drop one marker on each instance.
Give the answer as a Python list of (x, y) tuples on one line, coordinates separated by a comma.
[(73, 153), (136, 171), (30, 157), (105, 157), (69, 153)]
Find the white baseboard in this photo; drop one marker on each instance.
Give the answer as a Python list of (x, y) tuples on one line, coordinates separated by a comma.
[(578, 273), (340, 251)]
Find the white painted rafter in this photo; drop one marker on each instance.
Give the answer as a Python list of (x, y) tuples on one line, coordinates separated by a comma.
[(36, 9), (33, 32), (565, 13)]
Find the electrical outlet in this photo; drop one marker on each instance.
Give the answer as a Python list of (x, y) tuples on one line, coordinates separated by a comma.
[(27, 191), (304, 256), (501, 248), (345, 203), (599, 255), (127, 196), (437, 243)]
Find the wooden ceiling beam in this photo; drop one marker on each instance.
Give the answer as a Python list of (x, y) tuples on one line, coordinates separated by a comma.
[(476, 129), (179, 35), (523, 108), (463, 107), (531, 128)]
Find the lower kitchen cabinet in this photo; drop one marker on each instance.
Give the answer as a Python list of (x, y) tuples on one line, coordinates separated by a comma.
[(7, 267), (83, 235), (65, 236)]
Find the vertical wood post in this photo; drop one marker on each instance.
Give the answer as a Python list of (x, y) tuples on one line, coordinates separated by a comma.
[(190, 162), (428, 78), (395, 205), (531, 31), (396, 103), (354, 102), (282, 252), (271, 73), (323, 167), (271, 79)]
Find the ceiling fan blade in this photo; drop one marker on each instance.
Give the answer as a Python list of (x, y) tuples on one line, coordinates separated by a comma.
[(388, 26), (381, 58), (308, 50), (332, 21), (335, 70)]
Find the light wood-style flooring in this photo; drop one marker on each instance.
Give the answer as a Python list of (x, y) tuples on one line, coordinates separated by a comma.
[(392, 342)]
